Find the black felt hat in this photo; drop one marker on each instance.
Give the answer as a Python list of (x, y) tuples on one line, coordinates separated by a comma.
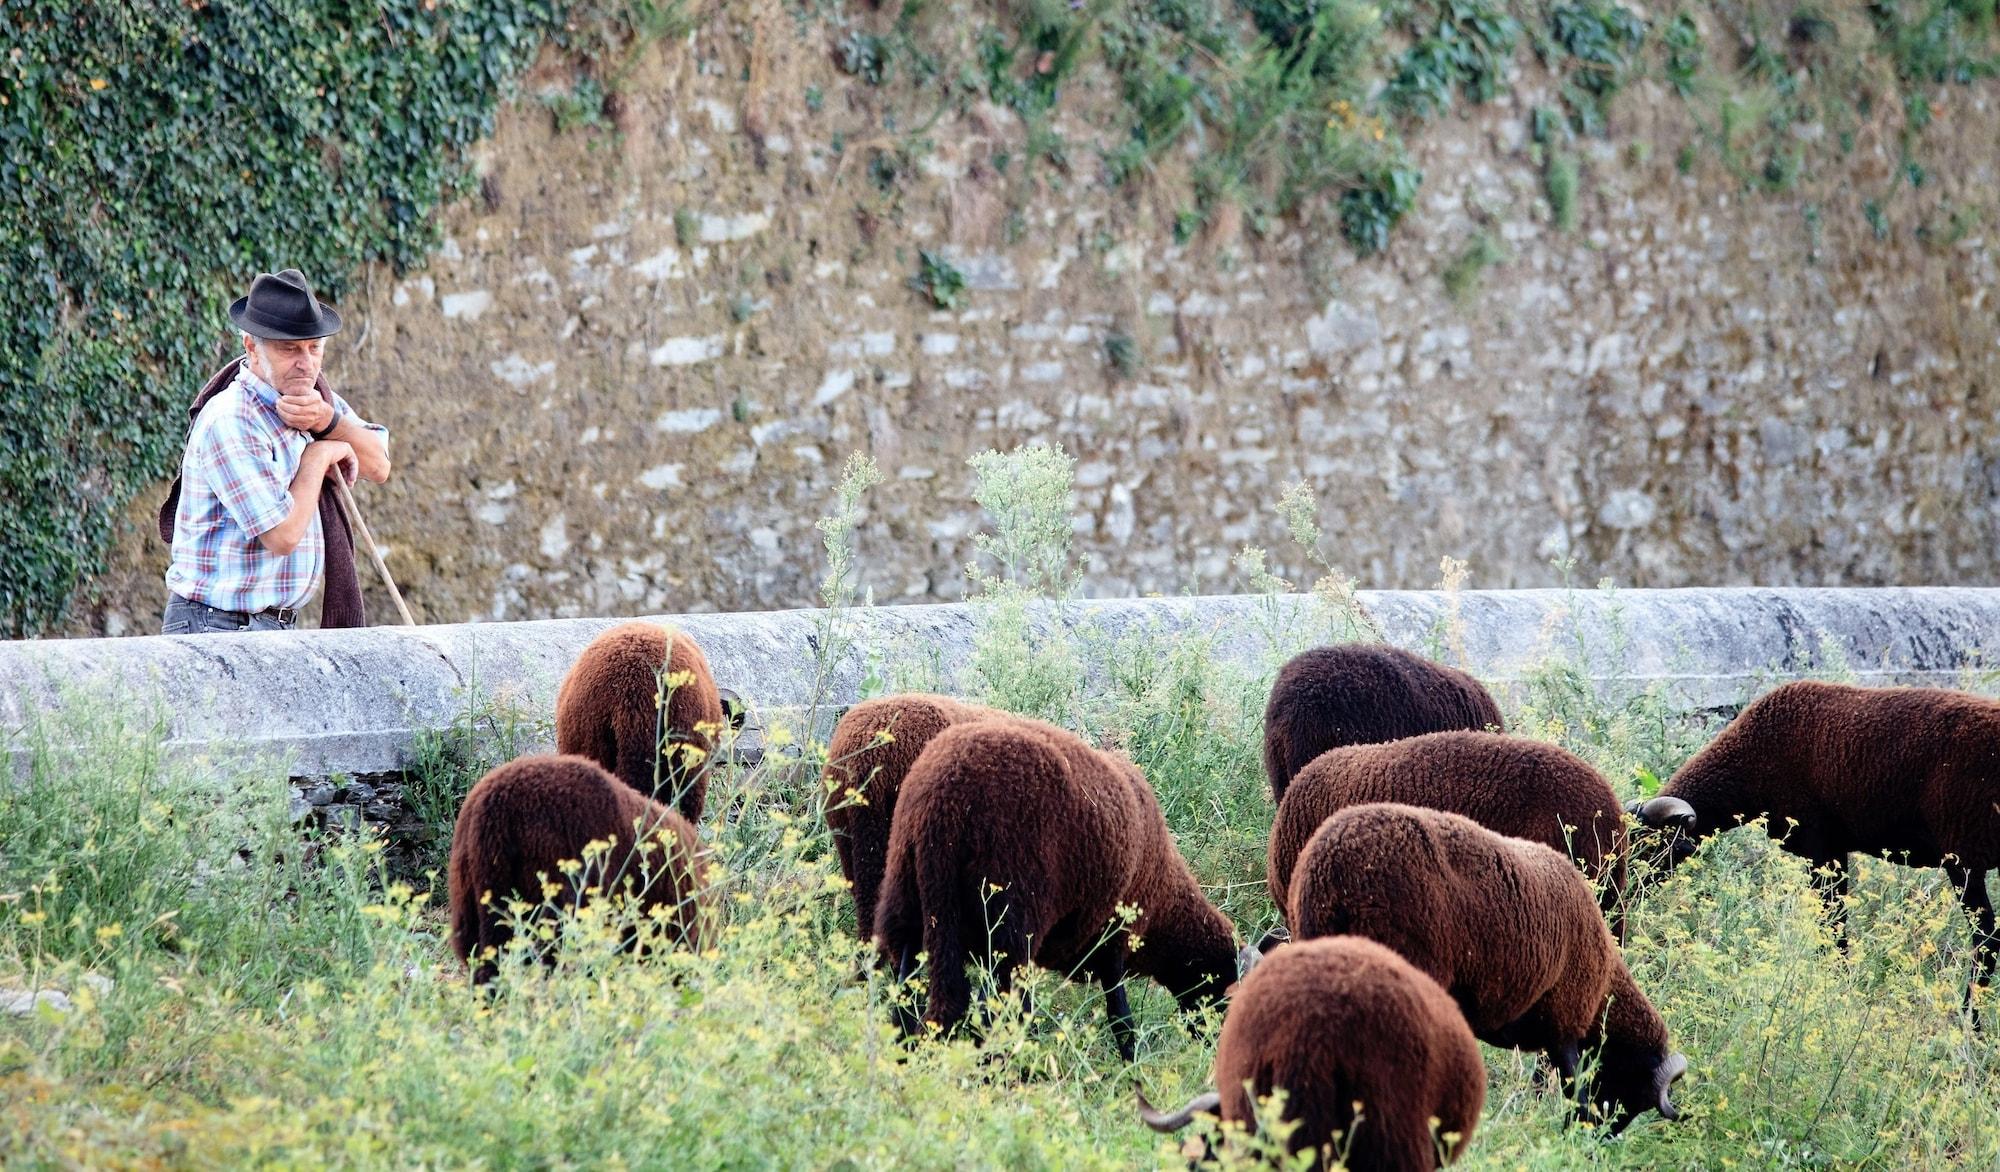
[(281, 308)]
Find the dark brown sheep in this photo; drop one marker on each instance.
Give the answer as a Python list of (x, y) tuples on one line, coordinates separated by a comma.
[(641, 702), (1513, 785), (1363, 694), (525, 818), (1911, 774), (1508, 927), (1340, 1022), (1014, 841), (873, 746)]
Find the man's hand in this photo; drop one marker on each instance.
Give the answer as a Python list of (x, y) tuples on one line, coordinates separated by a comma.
[(335, 454), (320, 458), (330, 452), (305, 412)]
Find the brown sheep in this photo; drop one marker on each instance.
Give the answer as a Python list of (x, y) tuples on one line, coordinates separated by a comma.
[(1507, 926), (610, 710), (1362, 694), (1014, 840), (1911, 774), (525, 818), (864, 772), (1513, 785), (1340, 1022)]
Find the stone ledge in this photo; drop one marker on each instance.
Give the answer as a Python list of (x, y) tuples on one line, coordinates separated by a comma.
[(351, 702)]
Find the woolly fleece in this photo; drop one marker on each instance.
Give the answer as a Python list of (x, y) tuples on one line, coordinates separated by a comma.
[(1515, 786), (608, 710), (523, 819), (1359, 694)]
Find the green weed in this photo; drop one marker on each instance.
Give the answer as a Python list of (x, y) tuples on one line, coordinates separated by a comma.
[(1371, 209), (867, 56), (1121, 353), (1465, 49), (938, 279), (581, 106), (1024, 660), (1463, 276), (1685, 50), (1561, 180), (837, 588)]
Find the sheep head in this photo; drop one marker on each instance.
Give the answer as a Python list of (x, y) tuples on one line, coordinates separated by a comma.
[(734, 710), (1633, 1080), (1190, 949), (1663, 812), (1674, 816), (1198, 978)]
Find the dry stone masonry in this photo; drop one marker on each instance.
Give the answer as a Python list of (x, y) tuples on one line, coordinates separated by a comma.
[(627, 381)]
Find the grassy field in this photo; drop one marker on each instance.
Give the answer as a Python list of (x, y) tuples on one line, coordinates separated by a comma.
[(275, 1001)]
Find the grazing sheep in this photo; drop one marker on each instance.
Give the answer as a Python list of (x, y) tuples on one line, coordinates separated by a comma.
[(873, 747), (1513, 785), (1507, 927), (1362, 694), (525, 818), (641, 702), (1338, 1023), (1911, 774), (1017, 841)]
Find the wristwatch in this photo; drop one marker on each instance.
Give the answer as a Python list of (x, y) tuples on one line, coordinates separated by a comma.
[(323, 432)]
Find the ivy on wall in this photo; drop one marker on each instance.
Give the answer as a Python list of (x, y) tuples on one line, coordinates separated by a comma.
[(156, 156)]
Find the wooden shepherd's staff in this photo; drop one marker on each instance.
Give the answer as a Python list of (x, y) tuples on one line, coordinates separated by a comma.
[(360, 528)]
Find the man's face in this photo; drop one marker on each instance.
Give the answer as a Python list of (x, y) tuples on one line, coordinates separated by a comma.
[(291, 367)]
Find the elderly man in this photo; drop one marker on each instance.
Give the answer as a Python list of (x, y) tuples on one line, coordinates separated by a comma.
[(251, 528)]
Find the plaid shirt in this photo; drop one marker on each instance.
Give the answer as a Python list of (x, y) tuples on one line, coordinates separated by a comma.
[(236, 484)]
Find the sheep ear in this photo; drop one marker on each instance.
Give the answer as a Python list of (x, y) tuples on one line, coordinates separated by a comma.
[(734, 710), (1667, 812)]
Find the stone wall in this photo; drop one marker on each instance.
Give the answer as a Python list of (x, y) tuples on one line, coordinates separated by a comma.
[(346, 715), (352, 706), (628, 380)]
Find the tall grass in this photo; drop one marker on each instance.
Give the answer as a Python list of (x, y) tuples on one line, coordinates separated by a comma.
[(275, 1000)]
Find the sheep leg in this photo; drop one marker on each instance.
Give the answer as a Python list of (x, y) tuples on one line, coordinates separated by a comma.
[(1565, 1058), (494, 932), (1985, 939), (1830, 877), (1111, 974), (905, 1016), (1009, 945)]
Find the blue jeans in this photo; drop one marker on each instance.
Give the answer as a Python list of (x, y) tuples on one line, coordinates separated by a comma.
[(184, 617)]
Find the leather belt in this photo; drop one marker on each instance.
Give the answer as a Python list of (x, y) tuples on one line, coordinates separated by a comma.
[(286, 615)]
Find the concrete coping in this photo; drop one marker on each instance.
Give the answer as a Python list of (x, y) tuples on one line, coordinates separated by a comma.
[(354, 702)]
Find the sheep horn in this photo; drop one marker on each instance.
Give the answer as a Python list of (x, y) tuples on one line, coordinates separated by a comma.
[(734, 710), (1206, 1102), (1667, 812), (1664, 1077)]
